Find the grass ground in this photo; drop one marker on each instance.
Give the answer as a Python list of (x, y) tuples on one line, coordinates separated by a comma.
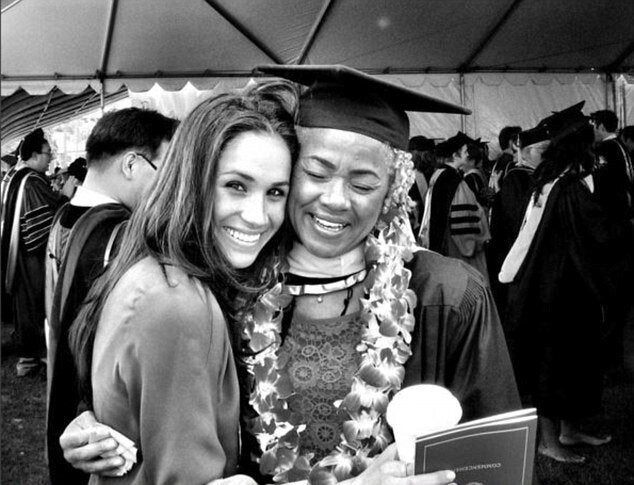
[(23, 418)]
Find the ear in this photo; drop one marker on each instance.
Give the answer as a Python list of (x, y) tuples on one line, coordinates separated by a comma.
[(126, 165)]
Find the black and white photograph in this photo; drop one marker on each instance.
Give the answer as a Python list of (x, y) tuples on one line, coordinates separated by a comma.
[(367, 242)]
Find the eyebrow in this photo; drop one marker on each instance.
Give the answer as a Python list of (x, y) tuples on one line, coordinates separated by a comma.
[(249, 178), (328, 164)]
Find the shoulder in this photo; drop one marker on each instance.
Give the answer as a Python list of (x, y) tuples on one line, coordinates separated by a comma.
[(164, 298), (439, 280), (36, 179), (517, 175)]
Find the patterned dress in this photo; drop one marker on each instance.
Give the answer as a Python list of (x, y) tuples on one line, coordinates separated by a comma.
[(322, 361)]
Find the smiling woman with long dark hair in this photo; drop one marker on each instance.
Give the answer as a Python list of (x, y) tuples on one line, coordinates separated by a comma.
[(153, 349)]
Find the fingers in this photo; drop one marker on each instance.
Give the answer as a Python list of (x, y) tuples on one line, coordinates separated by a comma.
[(400, 469), (105, 467), (90, 452), (74, 437), (396, 469), (443, 477)]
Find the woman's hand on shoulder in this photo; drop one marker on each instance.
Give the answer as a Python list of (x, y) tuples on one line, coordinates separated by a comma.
[(387, 469), (89, 447)]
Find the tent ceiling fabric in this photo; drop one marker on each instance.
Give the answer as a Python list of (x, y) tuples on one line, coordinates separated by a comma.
[(73, 44), (22, 113)]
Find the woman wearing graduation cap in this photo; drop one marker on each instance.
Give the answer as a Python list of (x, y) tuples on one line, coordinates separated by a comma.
[(370, 312), (568, 262)]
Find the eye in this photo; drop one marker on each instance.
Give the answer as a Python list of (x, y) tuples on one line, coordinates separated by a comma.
[(237, 186), (277, 193), (364, 189), (315, 175)]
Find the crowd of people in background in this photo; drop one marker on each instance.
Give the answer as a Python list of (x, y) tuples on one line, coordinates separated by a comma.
[(151, 228)]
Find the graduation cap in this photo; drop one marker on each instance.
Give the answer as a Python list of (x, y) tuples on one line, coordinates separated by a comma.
[(346, 99), (564, 122), (534, 135), (421, 143), (453, 144)]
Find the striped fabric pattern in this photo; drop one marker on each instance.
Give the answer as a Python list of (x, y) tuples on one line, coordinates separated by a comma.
[(35, 226), (464, 219)]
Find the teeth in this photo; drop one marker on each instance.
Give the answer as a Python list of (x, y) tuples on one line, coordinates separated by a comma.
[(329, 226), (242, 237)]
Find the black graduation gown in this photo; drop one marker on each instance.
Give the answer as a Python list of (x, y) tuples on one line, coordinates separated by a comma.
[(458, 341), (577, 263), (615, 185), (507, 215), (443, 192), (90, 231), (25, 293)]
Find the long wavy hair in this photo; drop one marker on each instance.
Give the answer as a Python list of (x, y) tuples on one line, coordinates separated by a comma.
[(571, 153), (175, 222)]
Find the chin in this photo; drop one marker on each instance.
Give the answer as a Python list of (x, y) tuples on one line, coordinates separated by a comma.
[(241, 263), (322, 250)]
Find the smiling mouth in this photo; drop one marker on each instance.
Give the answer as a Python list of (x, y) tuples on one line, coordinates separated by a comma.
[(332, 227), (242, 237)]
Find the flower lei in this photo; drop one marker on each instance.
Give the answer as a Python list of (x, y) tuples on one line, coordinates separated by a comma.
[(385, 347)]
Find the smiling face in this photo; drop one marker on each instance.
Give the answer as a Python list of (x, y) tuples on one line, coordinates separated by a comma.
[(250, 190), (338, 190)]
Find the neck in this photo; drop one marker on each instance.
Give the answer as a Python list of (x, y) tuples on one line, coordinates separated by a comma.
[(304, 263), (454, 164), (32, 163), (104, 185)]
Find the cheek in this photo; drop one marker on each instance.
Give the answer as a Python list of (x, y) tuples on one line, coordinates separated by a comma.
[(369, 209), (303, 190), (276, 215)]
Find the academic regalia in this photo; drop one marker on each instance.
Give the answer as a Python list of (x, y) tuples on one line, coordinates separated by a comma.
[(81, 240), (457, 226), (457, 330), (28, 207), (500, 168), (476, 181), (575, 265), (442, 191), (615, 178), (507, 214)]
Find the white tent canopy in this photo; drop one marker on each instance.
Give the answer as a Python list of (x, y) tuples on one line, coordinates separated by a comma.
[(508, 59)]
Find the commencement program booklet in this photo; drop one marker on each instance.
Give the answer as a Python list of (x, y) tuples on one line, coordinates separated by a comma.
[(498, 450)]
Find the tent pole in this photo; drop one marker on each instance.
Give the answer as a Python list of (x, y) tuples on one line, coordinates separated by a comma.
[(624, 104), (463, 120), (614, 92)]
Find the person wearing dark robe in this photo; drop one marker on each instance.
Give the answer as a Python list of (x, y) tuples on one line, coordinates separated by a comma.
[(353, 132), (508, 144), (474, 175), (454, 223), (28, 205), (568, 262), (509, 207), (124, 150), (422, 150), (615, 188), (615, 174)]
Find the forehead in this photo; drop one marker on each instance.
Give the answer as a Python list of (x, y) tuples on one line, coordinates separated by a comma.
[(344, 150), (261, 156)]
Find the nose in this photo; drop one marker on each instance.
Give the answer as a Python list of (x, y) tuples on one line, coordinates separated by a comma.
[(254, 212), (336, 196)]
